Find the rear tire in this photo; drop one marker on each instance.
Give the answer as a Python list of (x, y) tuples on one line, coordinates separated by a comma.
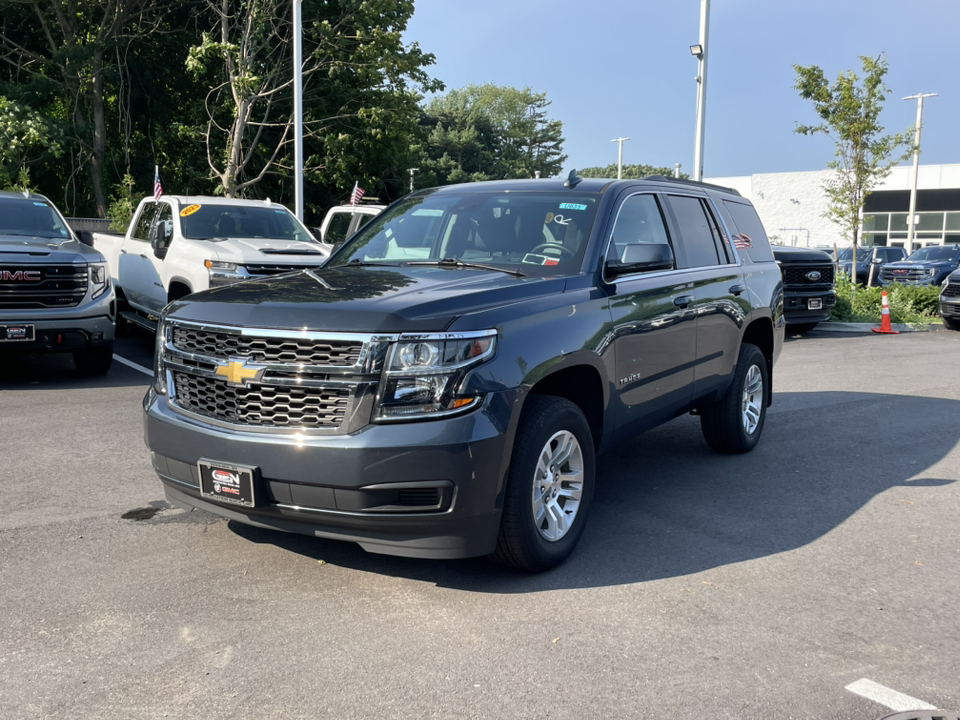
[(951, 324), (95, 360), (549, 486), (733, 423)]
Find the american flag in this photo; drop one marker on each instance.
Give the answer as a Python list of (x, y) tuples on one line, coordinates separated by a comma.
[(357, 193), (742, 241), (157, 187)]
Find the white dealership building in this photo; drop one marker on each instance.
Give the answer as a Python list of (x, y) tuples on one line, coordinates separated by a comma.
[(792, 207)]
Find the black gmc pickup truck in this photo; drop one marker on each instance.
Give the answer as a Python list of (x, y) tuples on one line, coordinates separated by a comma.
[(441, 387)]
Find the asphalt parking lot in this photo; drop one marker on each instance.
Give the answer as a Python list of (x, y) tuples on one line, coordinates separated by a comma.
[(816, 577)]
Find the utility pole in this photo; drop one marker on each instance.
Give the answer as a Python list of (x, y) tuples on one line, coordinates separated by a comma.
[(412, 171), (297, 111), (676, 170), (912, 217), (700, 52), (620, 158)]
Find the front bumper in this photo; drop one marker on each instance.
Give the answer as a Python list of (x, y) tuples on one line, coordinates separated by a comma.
[(64, 329), (353, 487), (796, 305), (950, 308)]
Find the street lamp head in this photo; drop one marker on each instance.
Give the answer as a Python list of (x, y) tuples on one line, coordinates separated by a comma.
[(696, 51)]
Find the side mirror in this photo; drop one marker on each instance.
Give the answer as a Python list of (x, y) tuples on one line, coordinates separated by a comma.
[(877, 260), (641, 257), (162, 235), (317, 233), (85, 236)]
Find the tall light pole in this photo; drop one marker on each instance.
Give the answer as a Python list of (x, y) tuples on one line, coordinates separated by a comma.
[(620, 157), (912, 217), (298, 110), (700, 52)]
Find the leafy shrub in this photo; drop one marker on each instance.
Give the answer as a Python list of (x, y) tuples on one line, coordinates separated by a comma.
[(908, 303)]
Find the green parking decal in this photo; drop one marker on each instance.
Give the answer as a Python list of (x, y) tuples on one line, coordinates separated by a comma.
[(572, 206)]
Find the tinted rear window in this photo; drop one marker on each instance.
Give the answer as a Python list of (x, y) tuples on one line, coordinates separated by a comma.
[(749, 237)]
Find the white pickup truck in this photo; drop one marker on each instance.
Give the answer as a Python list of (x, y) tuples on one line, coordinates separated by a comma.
[(342, 221), (179, 245)]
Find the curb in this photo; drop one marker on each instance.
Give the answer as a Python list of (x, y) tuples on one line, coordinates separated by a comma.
[(849, 327)]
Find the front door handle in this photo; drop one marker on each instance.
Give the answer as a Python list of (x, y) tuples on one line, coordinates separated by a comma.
[(737, 289), (683, 301)]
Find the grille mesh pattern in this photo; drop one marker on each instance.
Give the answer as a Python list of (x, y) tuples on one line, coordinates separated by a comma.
[(57, 286), (952, 290), (262, 405), (798, 275), (267, 350), (903, 274)]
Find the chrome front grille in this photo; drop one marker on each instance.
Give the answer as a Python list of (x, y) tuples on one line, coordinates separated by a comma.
[(904, 275), (261, 379), (25, 286), (296, 351), (262, 405)]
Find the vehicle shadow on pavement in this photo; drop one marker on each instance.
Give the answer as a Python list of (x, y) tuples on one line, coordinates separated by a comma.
[(667, 506), (21, 372)]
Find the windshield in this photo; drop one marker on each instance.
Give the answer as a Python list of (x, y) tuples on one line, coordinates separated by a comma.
[(862, 254), (199, 222), (32, 217), (937, 252), (534, 233)]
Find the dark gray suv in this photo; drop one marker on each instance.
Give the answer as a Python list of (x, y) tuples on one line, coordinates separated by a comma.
[(442, 386)]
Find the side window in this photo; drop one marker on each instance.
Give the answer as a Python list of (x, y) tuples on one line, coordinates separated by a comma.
[(750, 238), (339, 228), (638, 221), (144, 221), (699, 238), (164, 223)]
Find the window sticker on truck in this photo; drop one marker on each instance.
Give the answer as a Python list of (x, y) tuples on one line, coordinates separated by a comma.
[(189, 210), (572, 206)]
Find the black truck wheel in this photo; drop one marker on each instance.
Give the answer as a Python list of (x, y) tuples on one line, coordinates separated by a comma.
[(951, 324), (95, 360), (549, 486), (733, 423)]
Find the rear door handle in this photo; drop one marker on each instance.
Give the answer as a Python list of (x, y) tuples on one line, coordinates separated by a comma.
[(737, 289), (683, 300)]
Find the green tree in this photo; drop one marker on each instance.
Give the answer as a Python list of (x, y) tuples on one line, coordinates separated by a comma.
[(26, 137), (849, 110), (360, 85), (489, 132), (629, 171)]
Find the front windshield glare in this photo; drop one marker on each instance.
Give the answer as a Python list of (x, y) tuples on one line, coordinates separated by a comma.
[(200, 222), (31, 217), (942, 252), (535, 233)]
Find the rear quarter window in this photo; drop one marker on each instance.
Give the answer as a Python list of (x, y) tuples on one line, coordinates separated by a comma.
[(749, 238)]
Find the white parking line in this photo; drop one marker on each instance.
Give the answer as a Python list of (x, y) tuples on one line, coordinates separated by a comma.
[(128, 363), (887, 697)]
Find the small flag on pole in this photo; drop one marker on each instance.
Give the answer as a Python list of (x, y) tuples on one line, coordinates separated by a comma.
[(157, 187), (357, 193)]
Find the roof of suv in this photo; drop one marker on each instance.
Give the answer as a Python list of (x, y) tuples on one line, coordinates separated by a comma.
[(23, 195), (591, 185)]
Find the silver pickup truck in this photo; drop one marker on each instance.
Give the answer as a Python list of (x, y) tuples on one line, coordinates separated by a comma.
[(55, 291)]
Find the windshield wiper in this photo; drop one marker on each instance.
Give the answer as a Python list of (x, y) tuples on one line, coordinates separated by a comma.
[(362, 263), (454, 263)]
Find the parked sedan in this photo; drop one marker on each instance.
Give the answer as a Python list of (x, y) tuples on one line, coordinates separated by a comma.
[(926, 266), (950, 301), (877, 256)]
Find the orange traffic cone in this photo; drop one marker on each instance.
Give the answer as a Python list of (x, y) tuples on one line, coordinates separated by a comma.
[(885, 326)]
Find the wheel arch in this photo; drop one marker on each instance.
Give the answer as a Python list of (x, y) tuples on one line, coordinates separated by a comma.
[(760, 333), (178, 288), (583, 385)]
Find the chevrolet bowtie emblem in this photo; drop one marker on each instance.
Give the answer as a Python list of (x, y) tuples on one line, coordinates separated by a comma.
[(236, 372)]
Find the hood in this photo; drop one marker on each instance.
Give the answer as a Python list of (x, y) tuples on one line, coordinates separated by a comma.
[(921, 264), (270, 250), (785, 254), (24, 249), (362, 299)]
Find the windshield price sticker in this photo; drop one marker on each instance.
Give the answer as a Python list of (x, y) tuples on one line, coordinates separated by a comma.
[(189, 210)]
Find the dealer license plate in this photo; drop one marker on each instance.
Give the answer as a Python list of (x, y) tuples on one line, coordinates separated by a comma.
[(16, 333), (227, 483), (815, 304)]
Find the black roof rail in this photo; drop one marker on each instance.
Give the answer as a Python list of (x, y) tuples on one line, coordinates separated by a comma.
[(696, 183)]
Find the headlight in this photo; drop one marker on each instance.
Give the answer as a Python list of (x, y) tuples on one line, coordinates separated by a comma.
[(424, 372), (224, 273), (99, 280), (930, 272), (159, 374)]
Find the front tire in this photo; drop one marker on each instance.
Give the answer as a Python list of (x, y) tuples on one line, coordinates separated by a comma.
[(733, 423), (95, 360), (549, 486), (951, 324)]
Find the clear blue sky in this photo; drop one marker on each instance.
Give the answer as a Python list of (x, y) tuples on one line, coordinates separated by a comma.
[(623, 68)]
